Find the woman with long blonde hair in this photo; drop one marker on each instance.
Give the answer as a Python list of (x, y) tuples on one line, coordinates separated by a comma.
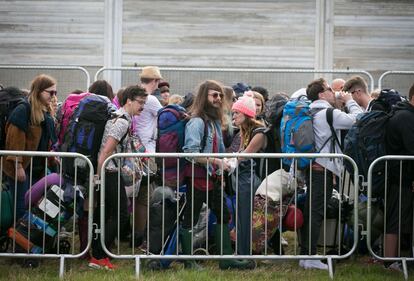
[(30, 127), (253, 140)]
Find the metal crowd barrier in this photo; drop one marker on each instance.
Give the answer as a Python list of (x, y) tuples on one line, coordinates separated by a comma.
[(399, 80), (391, 180), (47, 229), (184, 79), (122, 251), (69, 78)]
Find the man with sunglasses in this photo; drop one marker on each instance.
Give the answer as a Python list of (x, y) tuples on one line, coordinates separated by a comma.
[(358, 88), (320, 183), (203, 134)]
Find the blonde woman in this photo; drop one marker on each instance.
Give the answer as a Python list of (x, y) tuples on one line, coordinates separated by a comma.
[(253, 140), (30, 127)]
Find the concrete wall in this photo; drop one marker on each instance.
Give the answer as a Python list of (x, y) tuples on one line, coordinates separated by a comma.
[(372, 35)]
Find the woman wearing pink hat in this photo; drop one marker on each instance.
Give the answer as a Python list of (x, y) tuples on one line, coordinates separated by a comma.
[(253, 140)]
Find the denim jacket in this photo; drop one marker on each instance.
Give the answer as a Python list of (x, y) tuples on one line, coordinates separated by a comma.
[(194, 133)]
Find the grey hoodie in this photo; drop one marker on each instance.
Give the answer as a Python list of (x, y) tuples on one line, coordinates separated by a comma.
[(322, 132)]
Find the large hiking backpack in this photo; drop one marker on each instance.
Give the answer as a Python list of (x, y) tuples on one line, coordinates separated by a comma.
[(364, 143), (171, 135), (10, 98), (84, 134), (65, 113), (296, 131), (273, 117)]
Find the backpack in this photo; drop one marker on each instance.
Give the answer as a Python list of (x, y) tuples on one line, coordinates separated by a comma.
[(84, 133), (273, 116), (274, 110), (364, 143), (171, 123), (386, 100), (171, 136), (296, 131), (10, 98), (66, 112)]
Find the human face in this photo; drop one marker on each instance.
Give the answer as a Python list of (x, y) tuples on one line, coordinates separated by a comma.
[(46, 95), (238, 118), (215, 97), (138, 105), (165, 96), (356, 94), (259, 106)]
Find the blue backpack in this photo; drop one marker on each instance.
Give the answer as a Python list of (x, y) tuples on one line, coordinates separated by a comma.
[(296, 131)]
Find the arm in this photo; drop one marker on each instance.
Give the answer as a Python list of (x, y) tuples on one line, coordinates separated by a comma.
[(194, 134), (107, 151), (344, 121), (16, 140), (256, 143)]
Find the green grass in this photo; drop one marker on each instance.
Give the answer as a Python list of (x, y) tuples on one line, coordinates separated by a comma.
[(353, 269)]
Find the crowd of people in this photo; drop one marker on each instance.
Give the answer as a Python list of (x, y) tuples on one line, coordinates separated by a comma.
[(220, 119)]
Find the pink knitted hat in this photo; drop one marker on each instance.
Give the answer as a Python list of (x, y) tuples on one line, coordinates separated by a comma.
[(245, 105)]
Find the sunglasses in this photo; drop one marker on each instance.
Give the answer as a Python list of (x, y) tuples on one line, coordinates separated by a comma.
[(52, 92), (216, 95)]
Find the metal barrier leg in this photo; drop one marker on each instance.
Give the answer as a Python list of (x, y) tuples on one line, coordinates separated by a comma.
[(405, 270), (137, 267), (330, 268), (62, 267)]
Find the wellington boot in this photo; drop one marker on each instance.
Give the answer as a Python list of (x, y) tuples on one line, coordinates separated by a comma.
[(227, 250), (185, 236)]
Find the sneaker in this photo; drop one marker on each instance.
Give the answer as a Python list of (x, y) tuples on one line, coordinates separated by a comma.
[(313, 264), (395, 266), (101, 264)]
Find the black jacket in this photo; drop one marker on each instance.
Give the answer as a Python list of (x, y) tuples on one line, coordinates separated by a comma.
[(400, 139)]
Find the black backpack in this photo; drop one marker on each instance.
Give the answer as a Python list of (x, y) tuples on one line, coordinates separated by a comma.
[(10, 98), (84, 134), (364, 143), (386, 100)]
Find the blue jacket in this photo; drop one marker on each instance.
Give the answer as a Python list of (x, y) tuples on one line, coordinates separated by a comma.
[(194, 134)]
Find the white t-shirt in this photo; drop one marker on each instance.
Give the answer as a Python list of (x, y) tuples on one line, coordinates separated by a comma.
[(146, 123)]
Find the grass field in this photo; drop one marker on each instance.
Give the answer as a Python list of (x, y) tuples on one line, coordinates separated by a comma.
[(352, 269)]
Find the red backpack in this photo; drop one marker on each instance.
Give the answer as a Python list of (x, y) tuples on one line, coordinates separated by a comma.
[(66, 112)]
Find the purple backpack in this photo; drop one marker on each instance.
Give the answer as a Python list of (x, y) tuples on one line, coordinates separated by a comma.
[(66, 112)]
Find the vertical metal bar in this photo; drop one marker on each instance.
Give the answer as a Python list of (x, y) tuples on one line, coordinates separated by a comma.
[(266, 206), (324, 210), (399, 210)]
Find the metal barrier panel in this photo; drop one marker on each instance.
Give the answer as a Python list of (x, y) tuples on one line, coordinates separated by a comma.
[(398, 80), (41, 222), (184, 80), (390, 225), (69, 78), (175, 213)]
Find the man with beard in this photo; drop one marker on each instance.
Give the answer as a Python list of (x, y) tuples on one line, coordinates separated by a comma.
[(203, 135)]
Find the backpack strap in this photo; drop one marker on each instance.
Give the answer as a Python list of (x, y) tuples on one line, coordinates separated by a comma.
[(121, 141), (334, 137), (204, 139)]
